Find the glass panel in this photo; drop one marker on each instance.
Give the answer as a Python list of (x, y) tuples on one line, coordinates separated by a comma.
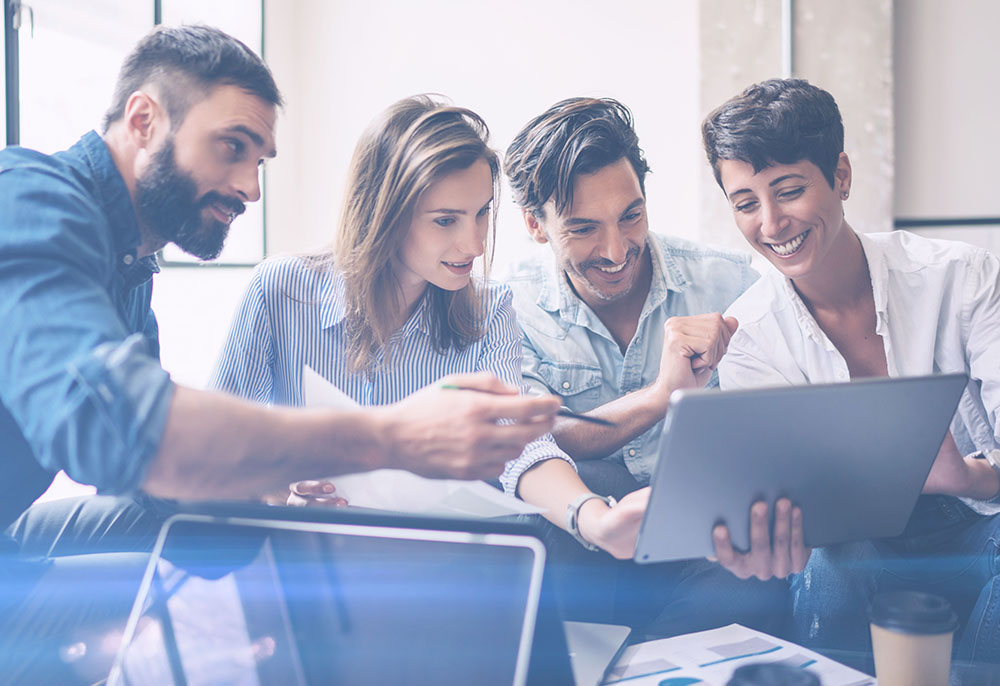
[(69, 60), (242, 19)]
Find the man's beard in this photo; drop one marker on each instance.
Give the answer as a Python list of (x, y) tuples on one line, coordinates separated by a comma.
[(166, 201), (596, 287)]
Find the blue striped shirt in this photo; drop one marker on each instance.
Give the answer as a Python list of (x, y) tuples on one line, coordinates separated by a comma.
[(292, 315)]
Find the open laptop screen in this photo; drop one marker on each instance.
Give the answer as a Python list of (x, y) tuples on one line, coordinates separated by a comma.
[(254, 602)]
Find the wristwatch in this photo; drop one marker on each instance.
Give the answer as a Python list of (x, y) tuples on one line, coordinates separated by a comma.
[(573, 514), (992, 458)]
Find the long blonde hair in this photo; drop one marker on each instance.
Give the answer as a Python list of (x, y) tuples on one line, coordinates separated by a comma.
[(414, 143)]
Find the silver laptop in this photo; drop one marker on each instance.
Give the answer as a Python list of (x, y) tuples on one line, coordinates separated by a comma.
[(854, 456), (231, 600)]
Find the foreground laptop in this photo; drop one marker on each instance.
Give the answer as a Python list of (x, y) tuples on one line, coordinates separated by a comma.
[(259, 597)]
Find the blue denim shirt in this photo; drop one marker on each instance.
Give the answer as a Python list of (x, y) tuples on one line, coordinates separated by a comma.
[(81, 386), (570, 352)]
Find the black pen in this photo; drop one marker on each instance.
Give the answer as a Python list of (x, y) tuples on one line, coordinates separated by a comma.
[(563, 411)]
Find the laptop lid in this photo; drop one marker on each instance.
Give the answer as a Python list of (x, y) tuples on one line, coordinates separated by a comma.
[(249, 600), (854, 456)]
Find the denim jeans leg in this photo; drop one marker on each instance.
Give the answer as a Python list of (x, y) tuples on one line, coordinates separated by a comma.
[(980, 639), (90, 524), (695, 595), (830, 597)]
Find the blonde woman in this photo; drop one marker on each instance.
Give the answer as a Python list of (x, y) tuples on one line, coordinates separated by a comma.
[(393, 307)]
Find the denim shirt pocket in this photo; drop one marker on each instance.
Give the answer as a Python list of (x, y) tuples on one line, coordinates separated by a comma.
[(578, 384)]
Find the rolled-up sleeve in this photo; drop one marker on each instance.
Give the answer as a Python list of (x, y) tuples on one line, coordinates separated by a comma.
[(86, 391), (502, 356)]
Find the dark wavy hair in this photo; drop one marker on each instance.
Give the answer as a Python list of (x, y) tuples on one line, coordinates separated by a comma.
[(574, 136), (779, 121), (185, 63)]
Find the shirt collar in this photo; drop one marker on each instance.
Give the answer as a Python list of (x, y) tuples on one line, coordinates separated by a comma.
[(667, 276), (331, 297), (117, 203), (804, 317), (332, 310), (878, 270)]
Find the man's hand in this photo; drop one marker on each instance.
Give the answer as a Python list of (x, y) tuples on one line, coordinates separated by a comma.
[(444, 432), (614, 529), (787, 555), (953, 474), (692, 348)]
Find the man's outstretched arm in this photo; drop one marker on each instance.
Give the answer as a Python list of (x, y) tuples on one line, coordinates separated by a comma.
[(216, 446)]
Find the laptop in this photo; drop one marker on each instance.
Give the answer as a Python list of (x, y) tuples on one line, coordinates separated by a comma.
[(594, 649), (258, 596), (854, 456)]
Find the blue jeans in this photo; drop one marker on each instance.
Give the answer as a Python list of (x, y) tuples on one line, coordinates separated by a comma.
[(946, 549), (65, 597)]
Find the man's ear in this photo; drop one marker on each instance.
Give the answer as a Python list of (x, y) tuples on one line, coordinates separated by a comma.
[(534, 226), (144, 119)]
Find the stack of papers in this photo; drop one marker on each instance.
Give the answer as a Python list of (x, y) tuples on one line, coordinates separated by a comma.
[(401, 491), (709, 658)]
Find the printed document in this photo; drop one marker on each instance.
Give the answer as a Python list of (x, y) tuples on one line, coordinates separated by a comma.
[(709, 658)]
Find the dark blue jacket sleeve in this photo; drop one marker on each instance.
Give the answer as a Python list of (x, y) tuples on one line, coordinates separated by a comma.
[(86, 390)]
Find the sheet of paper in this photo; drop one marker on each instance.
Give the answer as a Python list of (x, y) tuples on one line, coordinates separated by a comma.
[(318, 392), (709, 658), (401, 491)]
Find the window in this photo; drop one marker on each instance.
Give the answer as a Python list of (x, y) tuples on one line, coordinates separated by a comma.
[(68, 59)]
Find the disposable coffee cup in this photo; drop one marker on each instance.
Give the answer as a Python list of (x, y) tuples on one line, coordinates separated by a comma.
[(911, 637)]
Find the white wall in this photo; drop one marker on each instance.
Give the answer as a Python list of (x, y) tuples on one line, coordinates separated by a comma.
[(340, 62), (947, 102), (946, 58)]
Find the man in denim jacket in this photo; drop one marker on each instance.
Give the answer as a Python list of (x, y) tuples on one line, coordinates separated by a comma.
[(613, 323)]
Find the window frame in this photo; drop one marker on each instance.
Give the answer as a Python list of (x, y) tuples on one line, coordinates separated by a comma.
[(12, 114)]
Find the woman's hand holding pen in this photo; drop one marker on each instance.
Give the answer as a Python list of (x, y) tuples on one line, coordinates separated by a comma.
[(451, 429)]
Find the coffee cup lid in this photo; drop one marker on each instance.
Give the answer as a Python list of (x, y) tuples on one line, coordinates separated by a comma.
[(912, 612)]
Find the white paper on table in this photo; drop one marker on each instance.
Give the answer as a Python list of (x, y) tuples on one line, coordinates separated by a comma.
[(402, 491), (709, 658)]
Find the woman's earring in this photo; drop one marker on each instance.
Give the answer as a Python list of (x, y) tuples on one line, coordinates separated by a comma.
[(844, 195)]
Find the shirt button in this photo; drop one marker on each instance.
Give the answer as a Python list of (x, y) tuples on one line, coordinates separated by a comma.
[(631, 452), (565, 384), (128, 259)]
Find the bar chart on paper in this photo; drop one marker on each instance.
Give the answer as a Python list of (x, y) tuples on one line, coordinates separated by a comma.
[(709, 658)]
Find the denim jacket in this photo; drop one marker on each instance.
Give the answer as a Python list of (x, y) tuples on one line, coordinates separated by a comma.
[(570, 352), (81, 387)]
